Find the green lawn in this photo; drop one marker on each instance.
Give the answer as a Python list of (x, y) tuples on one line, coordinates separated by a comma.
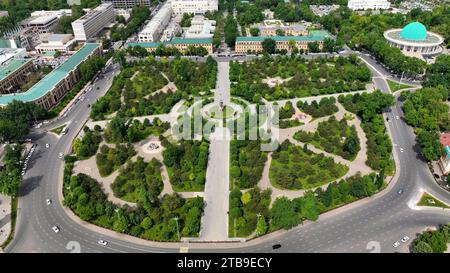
[(58, 130), (428, 200), (395, 86), (215, 112)]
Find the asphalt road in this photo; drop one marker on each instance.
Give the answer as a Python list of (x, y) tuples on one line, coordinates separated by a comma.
[(384, 218)]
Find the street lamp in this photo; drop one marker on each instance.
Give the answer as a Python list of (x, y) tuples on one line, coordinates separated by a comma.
[(178, 231)]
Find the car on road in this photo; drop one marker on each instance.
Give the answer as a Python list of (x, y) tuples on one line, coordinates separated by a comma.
[(396, 244), (47, 145), (23, 173), (98, 87), (61, 155), (55, 229), (48, 201), (400, 191), (102, 242), (397, 117), (276, 246), (405, 239)]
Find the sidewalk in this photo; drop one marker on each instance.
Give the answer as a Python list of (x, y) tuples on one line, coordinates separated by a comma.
[(5, 217)]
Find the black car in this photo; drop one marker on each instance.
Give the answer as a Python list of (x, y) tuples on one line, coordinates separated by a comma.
[(276, 246)]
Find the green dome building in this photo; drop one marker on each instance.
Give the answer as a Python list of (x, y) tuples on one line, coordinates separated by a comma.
[(414, 39), (414, 31)]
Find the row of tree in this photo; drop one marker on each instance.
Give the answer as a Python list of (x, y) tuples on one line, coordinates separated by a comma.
[(10, 172), (285, 213), (369, 107)]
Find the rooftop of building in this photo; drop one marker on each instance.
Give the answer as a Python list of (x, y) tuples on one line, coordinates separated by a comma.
[(58, 37), (175, 40), (11, 66), (93, 12), (315, 35), (414, 31), (50, 80), (42, 19)]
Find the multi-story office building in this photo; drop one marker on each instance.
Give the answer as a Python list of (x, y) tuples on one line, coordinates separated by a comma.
[(42, 24), (254, 44), (128, 4), (153, 30), (368, 4), (49, 91), (93, 22), (194, 6)]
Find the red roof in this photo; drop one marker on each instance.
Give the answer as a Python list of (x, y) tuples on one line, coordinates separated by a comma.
[(444, 139)]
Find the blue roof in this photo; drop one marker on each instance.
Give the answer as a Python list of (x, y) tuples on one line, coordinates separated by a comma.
[(51, 79), (12, 66), (414, 31)]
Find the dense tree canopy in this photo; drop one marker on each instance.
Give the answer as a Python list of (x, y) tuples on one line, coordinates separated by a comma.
[(16, 118)]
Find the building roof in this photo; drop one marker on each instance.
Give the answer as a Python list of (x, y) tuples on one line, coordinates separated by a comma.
[(12, 66), (175, 40), (50, 80), (309, 38), (178, 40), (58, 37), (414, 31)]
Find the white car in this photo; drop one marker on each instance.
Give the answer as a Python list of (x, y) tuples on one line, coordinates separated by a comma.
[(55, 229), (405, 239), (396, 244), (47, 145), (23, 173), (48, 201), (61, 155), (397, 117), (102, 242)]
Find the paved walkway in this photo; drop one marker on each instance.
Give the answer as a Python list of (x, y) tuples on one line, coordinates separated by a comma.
[(214, 226), (5, 217), (355, 166)]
